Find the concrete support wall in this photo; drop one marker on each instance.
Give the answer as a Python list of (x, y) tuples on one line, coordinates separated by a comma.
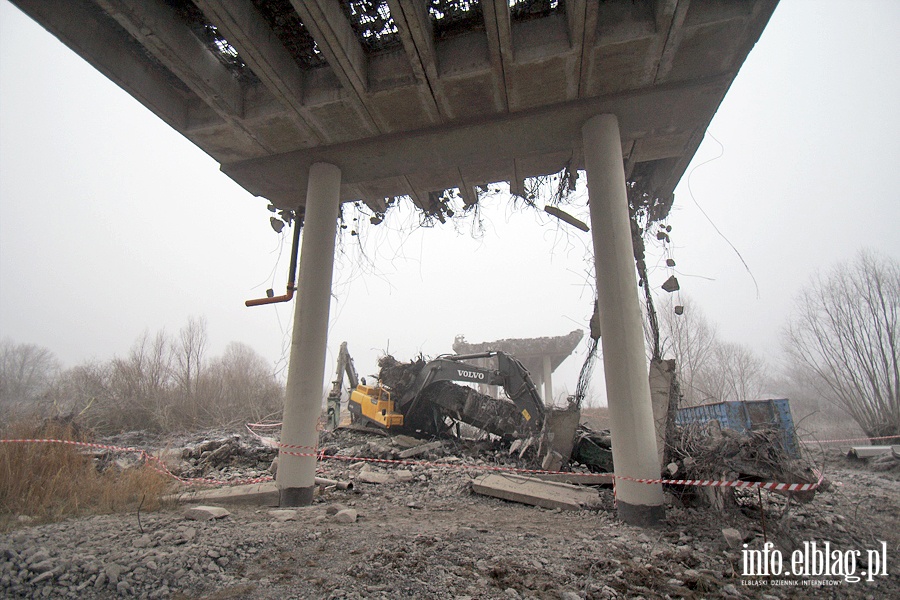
[(622, 339), (662, 381), (305, 382), (548, 380)]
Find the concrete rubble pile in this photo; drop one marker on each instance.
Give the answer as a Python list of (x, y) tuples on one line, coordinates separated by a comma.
[(706, 451)]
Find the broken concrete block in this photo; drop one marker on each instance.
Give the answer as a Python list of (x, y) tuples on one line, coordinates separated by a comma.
[(578, 478), (733, 537), (406, 441), (672, 468), (552, 462), (373, 477), (335, 508), (283, 514), (205, 513), (421, 449), (516, 444), (533, 491), (348, 515), (265, 494), (403, 476)]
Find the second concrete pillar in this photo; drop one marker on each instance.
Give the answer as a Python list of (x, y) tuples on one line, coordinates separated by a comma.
[(622, 337), (303, 396)]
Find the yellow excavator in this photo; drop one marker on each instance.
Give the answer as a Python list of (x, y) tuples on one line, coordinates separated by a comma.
[(368, 403), (424, 398)]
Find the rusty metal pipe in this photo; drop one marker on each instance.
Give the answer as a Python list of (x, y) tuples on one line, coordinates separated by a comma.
[(341, 485), (292, 273)]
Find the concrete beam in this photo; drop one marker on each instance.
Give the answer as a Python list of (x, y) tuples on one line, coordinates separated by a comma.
[(415, 30), (526, 137), (156, 26), (243, 25), (673, 22), (109, 50), (337, 41), (498, 27)]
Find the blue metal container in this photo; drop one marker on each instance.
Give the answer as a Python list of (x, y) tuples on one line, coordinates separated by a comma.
[(746, 415)]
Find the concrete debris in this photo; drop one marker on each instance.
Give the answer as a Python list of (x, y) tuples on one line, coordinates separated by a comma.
[(861, 452), (733, 537), (374, 477), (283, 514), (422, 449), (536, 492), (348, 515), (707, 451), (205, 513), (265, 494), (406, 441), (434, 538), (333, 509), (380, 477)]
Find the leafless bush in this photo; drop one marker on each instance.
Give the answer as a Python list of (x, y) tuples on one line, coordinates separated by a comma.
[(846, 331), (27, 372), (240, 386), (163, 385), (709, 370)]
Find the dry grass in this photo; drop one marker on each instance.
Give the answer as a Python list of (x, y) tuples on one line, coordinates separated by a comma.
[(51, 481)]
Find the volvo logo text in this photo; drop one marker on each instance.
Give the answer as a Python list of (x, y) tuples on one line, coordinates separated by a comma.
[(470, 374)]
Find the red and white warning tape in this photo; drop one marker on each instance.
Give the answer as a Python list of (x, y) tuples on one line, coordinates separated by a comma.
[(868, 439), (765, 485), (158, 465)]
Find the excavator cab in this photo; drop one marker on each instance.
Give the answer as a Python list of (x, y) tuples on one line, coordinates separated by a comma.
[(373, 404)]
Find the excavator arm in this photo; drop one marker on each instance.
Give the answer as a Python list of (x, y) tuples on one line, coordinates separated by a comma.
[(510, 374), (344, 365)]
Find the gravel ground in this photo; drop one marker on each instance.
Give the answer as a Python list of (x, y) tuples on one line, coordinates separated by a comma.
[(432, 537)]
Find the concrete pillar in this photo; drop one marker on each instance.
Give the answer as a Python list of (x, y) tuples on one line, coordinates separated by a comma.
[(548, 381), (303, 397), (622, 339), (662, 380)]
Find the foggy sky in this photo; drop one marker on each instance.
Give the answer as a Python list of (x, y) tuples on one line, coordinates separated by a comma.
[(112, 224)]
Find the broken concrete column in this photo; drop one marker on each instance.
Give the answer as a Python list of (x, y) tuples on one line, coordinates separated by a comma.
[(548, 380), (624, 360), (664, 397), (305, 382)]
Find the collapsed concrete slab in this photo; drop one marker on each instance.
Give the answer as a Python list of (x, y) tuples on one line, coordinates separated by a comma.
[(263, 494), (206, 513), (533, 491)]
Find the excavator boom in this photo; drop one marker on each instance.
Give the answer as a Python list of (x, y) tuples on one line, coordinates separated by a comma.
[(509, 374)]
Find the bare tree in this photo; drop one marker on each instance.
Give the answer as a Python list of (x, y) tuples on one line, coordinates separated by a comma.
[(732, 372), (689, 339), (26, 373), (240, 385), (139, 384), (188, 352), (846, 330)]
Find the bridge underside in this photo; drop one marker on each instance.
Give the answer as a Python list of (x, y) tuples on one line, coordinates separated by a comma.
[(412, 97), (313, 102)]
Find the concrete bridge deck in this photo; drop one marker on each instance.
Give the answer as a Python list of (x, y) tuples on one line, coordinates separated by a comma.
[(409, 97)]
